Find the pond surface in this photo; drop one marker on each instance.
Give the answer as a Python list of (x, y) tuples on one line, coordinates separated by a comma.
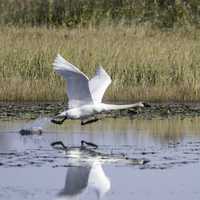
[(31, 169)]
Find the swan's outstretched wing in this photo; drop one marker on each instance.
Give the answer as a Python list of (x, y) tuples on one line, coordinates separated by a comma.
[(98, 84), (77, 82)]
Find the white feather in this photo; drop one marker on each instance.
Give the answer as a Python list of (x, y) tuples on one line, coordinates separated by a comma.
[(77, 83), (98, 84)]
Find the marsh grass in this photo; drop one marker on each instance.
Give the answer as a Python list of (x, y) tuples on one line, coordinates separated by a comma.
[(144, 63)]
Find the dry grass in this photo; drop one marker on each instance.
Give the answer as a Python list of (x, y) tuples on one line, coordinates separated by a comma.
[(144, 63)]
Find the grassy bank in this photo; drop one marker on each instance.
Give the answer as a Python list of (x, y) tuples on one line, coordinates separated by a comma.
[(144, 63)]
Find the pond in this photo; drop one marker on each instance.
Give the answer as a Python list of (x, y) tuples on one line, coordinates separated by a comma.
[(31, 169)]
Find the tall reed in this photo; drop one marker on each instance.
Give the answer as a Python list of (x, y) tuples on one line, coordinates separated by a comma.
[(163, 13), (144, 63)]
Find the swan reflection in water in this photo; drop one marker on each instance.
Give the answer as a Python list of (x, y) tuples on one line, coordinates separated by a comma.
[(87, 171), (81, 178), (84, 176)]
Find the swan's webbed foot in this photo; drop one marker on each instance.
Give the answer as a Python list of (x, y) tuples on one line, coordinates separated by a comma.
[(57, 144), (58, 121), (83, 143), (88, 121)]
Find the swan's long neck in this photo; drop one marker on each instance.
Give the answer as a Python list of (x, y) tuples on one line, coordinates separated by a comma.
[(121, 107)]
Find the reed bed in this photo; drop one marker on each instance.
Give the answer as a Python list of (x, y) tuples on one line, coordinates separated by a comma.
[(145, 64), (70, 13)]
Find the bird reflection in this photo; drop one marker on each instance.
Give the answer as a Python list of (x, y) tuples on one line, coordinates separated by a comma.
[(81, 178), (89, 175), (87, 171)]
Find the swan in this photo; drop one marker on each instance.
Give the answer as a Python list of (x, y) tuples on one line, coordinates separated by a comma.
[(81, 178), (86, 171), (83, 175), (84, 95)]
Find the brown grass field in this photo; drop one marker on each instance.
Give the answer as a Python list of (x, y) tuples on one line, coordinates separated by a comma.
[(145, 64)]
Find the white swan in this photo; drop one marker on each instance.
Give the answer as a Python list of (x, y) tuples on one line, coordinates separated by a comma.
[(84, 95), (81, 178), (85, 173)]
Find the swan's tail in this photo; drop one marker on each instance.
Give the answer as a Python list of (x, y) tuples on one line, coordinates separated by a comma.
[(121, 107)]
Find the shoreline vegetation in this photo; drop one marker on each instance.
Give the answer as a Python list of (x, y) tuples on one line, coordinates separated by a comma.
[(150, 50), (34, 110), (145, 64)]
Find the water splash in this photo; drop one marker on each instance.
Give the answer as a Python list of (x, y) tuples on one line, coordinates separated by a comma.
[(35, 127)]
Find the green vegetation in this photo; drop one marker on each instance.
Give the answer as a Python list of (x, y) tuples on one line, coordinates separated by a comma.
[(162, 13), (144, 63)]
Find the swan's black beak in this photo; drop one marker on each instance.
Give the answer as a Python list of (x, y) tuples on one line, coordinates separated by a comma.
[(57, 120)]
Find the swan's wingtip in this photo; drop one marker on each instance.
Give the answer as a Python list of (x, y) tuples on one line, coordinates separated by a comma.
[(59, 59), (100, 67), (101, 70), (58, 55)]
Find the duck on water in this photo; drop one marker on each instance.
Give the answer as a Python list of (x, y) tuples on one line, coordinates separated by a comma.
[(84, 95)]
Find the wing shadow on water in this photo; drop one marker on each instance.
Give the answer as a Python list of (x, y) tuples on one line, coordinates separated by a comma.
[(81, 178)]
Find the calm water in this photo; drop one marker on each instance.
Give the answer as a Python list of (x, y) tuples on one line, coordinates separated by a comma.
[(31, 169)]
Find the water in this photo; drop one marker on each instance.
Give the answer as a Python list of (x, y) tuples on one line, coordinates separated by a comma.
[(31, 169), (39, 122)]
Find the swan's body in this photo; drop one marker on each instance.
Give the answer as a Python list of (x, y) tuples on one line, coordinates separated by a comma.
[(84, 95), (91, 109)]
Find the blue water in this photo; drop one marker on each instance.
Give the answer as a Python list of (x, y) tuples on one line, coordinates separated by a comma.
[(31, 169)]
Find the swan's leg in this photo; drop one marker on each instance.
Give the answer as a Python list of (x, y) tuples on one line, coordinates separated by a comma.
[(58, 121), (89, 120), (58, 143), (83, 143)]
